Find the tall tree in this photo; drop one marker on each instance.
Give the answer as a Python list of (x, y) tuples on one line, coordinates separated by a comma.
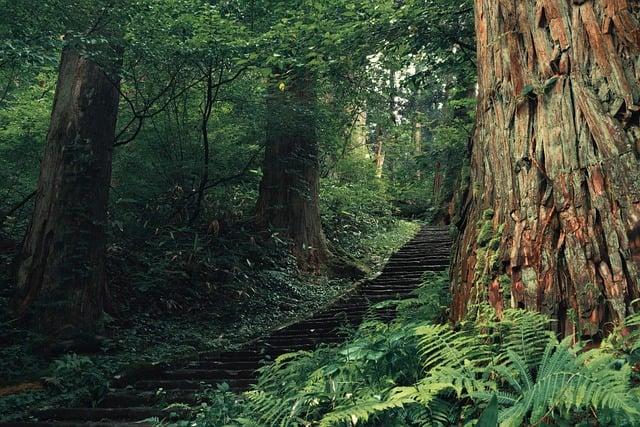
[(289, 191), (555, 187), (62, 261)]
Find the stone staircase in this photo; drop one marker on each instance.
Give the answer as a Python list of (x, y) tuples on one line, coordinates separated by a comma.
[(140, 396)]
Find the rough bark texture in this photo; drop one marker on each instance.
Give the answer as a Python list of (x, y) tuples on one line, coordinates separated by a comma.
[(552, 214), (290, 187), (61, 266)]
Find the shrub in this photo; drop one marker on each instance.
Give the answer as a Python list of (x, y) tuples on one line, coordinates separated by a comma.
[(416, 372), (78, 377)]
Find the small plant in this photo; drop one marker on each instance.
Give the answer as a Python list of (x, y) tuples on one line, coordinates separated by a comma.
[(78, 377), (220, 405)]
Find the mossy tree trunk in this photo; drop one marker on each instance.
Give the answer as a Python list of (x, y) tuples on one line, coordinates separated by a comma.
[(290, 187), (554, 204), (61, 265)]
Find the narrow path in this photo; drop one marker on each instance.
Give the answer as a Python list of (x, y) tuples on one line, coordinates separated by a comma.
[(137, 396)]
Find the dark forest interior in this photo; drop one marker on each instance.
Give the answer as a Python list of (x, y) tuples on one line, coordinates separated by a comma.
[(301, 213)]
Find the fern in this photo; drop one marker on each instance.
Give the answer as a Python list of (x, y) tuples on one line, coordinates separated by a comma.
[(362, 411), (633, 322), (565, 381), (442, 347), (524, 332), (408, 374)]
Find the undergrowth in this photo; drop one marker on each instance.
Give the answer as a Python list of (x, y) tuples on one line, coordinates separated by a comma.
[(418, 371), (360, 223), (178, 291)]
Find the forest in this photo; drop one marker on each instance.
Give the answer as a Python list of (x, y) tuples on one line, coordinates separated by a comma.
[(333, 213)]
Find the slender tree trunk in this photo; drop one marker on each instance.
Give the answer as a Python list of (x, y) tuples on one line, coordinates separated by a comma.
[(207, 109), (437, 181), (417, 142), (417, 137), (359, 149), (290, 187), (61, 266), (554, 203), (379, 152)]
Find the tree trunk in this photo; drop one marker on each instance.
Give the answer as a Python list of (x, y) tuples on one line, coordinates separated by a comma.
[(61, 266), (379, 152), (289, 191), (359, 149), (554, 202), (437, 181), (207, 109), (417, 138), (417, 142)]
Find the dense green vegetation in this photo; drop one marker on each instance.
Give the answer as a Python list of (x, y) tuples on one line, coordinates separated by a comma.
[(188, 270), (267, 157), (418, 371)]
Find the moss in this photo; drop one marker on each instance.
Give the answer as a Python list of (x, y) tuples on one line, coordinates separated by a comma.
[(481, 262), (494, 260), (505, 286), (488, 259), (488, 214), (494, 243), (485, 233)]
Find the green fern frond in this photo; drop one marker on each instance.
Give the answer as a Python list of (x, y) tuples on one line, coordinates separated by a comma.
[(565, 381), (443, 411), (509, 375), (524, 332), (556, 358), (633, 322), (520, 367), (504, 398), (362, 411), (440, 346)]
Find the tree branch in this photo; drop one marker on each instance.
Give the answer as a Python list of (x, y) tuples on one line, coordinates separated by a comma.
[(16, 207)]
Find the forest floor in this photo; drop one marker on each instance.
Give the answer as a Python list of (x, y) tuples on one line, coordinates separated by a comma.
[(164, 319), (180, 388)]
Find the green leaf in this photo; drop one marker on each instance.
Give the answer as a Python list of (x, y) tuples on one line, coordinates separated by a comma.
[(489, 417)]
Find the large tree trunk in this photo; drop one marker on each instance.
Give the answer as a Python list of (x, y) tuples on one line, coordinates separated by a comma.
[(289, 191), (555, 186), (61, 270)]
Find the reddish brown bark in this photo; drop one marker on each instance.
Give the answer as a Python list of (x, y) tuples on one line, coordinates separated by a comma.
[(290, 187), (556, 158), (62, 261)]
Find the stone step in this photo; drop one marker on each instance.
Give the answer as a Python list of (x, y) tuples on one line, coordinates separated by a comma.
[(143, 393), (204, 374), (106, 414), (236, 384), (125, 398)]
